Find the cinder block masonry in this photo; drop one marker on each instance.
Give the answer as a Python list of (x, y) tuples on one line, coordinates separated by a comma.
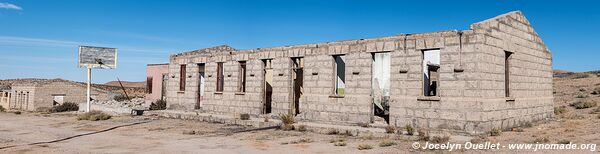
[(497, 74)]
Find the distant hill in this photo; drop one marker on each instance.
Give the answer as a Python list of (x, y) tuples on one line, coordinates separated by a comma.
[(575, 75), (560, 71), (134, 89), (140, 84)]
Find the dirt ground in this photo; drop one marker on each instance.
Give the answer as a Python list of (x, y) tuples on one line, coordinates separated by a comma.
[(164, 136), (149, 134)]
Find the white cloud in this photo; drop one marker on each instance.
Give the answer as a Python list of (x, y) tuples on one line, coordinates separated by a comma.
[(25, 41), (10, 6)]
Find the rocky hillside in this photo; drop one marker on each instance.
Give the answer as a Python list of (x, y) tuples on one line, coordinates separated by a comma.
[(126, 84)]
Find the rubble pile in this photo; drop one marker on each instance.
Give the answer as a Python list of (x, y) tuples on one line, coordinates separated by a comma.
[(135, 103)]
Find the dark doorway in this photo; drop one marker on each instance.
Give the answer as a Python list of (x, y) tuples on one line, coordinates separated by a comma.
[(268, 82), (201, 70), (297, 80)]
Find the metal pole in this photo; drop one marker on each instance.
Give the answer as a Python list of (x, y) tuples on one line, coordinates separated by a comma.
[(89, 82)]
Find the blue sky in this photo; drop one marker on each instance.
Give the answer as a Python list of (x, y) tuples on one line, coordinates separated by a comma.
[(40, 38)]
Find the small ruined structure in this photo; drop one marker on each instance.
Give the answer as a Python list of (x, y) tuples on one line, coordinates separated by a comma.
[(497, 74), (32, 95), (5, 96), (157, 75)]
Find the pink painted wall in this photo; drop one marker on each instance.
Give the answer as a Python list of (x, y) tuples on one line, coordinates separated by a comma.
[(155, 71)]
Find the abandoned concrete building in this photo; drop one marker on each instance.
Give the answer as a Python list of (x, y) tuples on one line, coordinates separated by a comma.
[(38, 94), (157, 75), (497, 74), (5, 96)]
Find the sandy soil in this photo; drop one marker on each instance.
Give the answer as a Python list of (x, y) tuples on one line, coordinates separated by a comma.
[(167, 136), (160, 135)]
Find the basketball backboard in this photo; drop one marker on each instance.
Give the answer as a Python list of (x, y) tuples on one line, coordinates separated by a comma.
[(97, 57)]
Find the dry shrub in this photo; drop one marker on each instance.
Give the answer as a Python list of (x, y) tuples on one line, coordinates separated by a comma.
[(541, 140), (390, 129), (346, 133), (287, 119), (287, 127), (560, 110), (439, 139), (94, 116), (596, 91), (387, 143), (518, 129), (2, 109), (337, 140), (67, 106), (409, 129), (583, 104), (332, 131), (301, 128), (581, 95), (340, 144), (158, 105), (120, 98), (303, 140), (495, 132), (364, 147)]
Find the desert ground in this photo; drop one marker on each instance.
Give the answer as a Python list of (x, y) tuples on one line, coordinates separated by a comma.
[(32, 132)]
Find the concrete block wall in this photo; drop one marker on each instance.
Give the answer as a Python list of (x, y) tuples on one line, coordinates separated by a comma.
[(530, 71), (41, 95), (23, 97), (471, 91), (74, 92)]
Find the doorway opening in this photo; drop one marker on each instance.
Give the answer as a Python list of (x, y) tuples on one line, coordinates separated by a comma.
[(297, 80), (381, 84), (201, 72), (268, 82)]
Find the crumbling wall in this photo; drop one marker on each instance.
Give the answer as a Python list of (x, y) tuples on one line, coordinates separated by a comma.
[(72, 92), (23, 97)]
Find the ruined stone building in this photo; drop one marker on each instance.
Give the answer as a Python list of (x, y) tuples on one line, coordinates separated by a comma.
[(34, 95), (497, 74), (5, 96)]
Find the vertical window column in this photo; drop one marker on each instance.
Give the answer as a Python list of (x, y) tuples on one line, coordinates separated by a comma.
[(182, 78), (220, 77), (507, 58), (340, 74), (431, 65), (242, 77)]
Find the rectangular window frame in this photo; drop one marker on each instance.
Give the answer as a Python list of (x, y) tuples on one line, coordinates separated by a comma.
[(182, 76), (336, 74), (220, 77), (242, 76), (507, 64), (149, 85), (426, 92)]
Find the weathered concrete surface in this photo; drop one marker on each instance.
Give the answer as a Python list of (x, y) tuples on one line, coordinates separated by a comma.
[(471, 95)]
